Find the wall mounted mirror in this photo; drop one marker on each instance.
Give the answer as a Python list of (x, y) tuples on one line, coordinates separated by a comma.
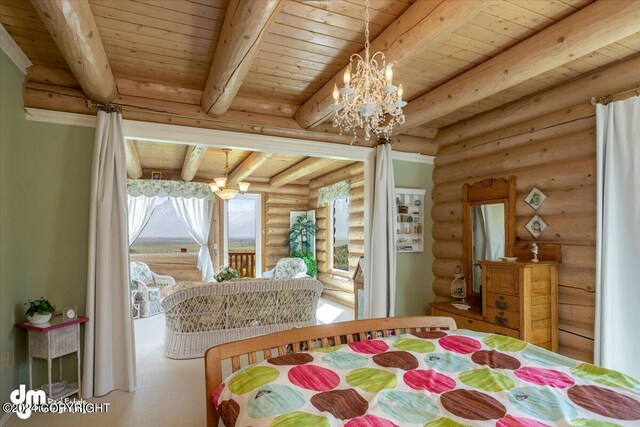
[(488, 227)]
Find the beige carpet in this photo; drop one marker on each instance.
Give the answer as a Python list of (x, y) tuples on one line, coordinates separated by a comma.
[(170, 392)]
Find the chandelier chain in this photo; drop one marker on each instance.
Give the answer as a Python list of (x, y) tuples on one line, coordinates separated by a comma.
[(366, 31)]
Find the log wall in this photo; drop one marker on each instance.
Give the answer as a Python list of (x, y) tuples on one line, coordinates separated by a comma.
[(555, 152), (182, 267), (278, 204), (339, 287)]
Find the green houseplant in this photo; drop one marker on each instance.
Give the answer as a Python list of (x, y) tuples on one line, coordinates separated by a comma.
[(310, 260), (39, 311)]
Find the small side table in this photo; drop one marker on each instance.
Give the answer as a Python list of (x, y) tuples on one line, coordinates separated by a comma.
[(51, 340)]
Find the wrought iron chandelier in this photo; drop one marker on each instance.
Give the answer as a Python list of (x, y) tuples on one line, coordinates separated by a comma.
[(220, 185), (368, 100)]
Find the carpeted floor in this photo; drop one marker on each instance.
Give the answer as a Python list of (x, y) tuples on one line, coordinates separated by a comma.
[(170, 392)]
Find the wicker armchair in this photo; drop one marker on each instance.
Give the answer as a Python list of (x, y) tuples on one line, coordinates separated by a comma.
[(201, 315), (151, 289)]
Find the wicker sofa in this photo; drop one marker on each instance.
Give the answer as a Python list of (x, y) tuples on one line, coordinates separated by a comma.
[(201, 315)]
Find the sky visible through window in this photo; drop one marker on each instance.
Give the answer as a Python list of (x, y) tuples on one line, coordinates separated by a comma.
[(242, 225), (164, 233)]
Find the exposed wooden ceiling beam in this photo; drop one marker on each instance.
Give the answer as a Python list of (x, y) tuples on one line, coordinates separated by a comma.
[(299, 170), (260, 185), (587, 30), (245, 25), (59, 98), (337, 175), (192, 161), (418, 26), (73, 28), (134, 170), (611, 79), (247, 167)]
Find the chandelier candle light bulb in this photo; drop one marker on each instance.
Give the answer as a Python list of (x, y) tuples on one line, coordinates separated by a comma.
[(368, 100)]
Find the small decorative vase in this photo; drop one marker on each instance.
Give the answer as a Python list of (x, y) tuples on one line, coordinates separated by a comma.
[(37, 319)]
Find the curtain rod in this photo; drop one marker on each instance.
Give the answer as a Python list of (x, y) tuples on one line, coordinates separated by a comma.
[(610, 98)]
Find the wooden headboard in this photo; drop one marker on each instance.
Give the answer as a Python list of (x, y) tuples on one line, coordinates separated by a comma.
[(303, 339)]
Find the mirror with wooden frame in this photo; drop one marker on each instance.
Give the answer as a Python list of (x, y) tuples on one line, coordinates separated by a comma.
[(489, 228)]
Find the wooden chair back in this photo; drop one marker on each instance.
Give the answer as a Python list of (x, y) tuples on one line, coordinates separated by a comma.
[(305, 339)]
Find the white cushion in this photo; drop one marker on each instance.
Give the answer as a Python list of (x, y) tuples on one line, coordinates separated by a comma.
[(290, 268)]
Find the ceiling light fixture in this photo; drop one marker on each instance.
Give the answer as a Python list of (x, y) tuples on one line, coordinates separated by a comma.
[(368, 100), (220, 187)]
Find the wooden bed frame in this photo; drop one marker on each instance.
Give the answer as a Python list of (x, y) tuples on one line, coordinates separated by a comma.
[(303, 339)]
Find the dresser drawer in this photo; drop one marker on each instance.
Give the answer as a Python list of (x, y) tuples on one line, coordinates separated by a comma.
[(476, 325), (503, 302), (507, 319), (503, 280)]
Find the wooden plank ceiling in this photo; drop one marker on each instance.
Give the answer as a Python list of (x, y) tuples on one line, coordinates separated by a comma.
[(161, 53), (170, 159)]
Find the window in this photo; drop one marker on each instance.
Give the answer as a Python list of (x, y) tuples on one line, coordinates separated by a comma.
[(164, 233), (243, 234), (242, 225), (339, 241)]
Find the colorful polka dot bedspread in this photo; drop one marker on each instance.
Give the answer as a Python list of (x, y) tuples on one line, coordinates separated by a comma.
[(432, 379)]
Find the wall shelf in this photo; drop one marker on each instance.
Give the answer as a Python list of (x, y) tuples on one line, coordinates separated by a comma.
[(409, 223)]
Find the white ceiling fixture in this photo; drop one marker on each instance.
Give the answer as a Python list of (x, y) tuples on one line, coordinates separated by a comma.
[(368, 100), (220, 185)]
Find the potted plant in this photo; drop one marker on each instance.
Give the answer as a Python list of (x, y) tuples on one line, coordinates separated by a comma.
[(227, 273), (310, 260), (39, 311)]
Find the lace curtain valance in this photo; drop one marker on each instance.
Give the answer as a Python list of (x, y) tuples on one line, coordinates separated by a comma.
[(164, 188), (332, 192)]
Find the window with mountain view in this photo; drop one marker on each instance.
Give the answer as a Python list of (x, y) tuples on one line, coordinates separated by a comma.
[(164, 233), (340, 238)]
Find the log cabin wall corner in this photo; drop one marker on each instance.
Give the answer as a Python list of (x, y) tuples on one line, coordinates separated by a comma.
[(554, 150)]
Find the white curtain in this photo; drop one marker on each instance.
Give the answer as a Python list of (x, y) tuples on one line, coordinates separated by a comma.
[(140, 210), (617, 339), (383, 251), (195, 214), (109, 353)]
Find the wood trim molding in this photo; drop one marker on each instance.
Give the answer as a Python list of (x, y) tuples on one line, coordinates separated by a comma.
[(73, 28), (160, 132), (245, 25), (587, 30), (13, 51)]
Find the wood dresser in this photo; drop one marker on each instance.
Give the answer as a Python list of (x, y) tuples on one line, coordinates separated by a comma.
[(519, 299)]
